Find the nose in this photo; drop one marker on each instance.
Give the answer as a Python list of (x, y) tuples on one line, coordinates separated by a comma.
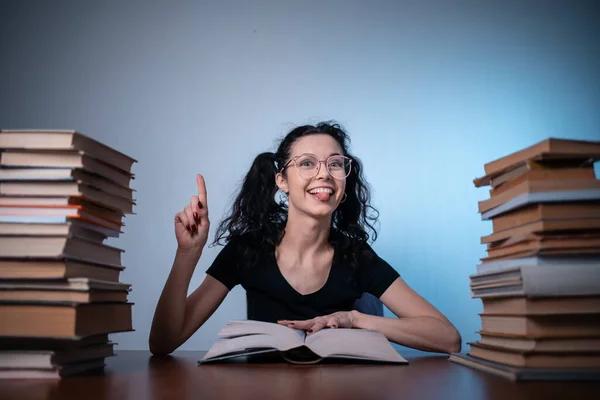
[(323, 172)]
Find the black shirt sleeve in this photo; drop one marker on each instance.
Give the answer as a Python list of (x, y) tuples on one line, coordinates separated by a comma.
[(225, 267), (375, 275)]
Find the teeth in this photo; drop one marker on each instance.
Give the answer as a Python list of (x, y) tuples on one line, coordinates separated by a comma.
[(321, 190)]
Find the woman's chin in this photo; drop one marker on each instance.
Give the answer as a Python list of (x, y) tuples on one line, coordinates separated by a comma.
[(318, 211), (321, 211)]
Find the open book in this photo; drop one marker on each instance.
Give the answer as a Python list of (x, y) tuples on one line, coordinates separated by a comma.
[(243, 338)]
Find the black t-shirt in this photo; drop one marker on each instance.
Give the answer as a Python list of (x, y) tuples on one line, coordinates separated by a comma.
[(270, 297)]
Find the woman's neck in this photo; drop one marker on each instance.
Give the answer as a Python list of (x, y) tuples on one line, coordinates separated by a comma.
[(305, 235)]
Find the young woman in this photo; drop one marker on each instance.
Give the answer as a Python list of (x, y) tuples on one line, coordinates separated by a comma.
[(303, 259)]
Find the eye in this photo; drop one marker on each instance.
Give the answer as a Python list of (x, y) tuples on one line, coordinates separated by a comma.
[(306, 163), (336, 163)]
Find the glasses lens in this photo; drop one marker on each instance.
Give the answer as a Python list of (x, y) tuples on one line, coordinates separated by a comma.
[(307, 166), (338, 166)]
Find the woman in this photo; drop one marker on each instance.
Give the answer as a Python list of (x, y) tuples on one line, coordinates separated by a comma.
[(304, 263)]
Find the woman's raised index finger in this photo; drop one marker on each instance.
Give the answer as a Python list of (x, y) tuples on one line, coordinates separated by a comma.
[(201, 189)]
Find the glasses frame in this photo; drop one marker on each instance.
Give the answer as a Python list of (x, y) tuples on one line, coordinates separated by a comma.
[(294, 159)]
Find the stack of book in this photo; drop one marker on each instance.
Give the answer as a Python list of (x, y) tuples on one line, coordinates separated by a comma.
[(62, 194), (540, 281)]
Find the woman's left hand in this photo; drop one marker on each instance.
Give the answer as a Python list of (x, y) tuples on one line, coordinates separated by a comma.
[(340, 319)]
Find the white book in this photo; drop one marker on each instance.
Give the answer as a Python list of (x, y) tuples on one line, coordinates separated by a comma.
[(242, 338), (538, 281), (511, 263)]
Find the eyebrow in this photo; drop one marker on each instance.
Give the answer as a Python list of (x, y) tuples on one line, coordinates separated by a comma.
[(332, 154), (312, 154)]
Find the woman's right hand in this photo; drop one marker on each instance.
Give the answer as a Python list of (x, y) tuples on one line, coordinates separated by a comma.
[(192, 224)]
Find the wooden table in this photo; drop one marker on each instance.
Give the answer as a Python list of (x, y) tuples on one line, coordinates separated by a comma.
[(138, 375)]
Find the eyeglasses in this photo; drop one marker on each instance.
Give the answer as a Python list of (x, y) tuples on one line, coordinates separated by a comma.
[(308, 166)]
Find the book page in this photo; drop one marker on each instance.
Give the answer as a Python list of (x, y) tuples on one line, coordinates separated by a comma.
[(237, 328), (240, 343), (353, 343), (240, 335)]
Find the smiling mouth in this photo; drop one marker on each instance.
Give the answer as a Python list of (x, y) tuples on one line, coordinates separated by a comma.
[(322, 194)]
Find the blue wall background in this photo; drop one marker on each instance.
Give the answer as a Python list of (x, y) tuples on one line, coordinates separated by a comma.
[(429, 91)]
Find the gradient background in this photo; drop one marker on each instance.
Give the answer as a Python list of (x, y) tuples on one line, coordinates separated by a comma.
[(429, 92)]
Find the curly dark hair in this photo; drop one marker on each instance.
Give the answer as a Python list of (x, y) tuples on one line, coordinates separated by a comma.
[(260, 219)]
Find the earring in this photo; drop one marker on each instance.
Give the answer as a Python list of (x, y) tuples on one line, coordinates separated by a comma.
[(281, 197), (344, 198)]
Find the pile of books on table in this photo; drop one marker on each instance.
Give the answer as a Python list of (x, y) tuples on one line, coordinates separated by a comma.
[(62, 194), (540, 281)]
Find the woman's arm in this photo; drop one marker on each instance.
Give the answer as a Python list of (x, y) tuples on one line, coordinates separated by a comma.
[(420, 325), (177, 315)]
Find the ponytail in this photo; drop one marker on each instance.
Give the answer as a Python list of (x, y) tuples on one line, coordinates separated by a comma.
[(255, 213)]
